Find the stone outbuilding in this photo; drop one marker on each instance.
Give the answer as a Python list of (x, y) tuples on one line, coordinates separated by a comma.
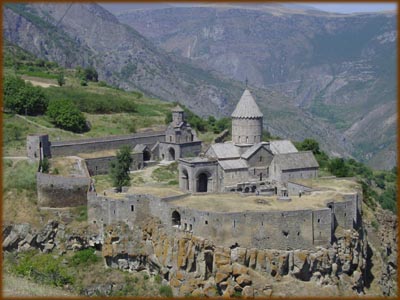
[(180, 139)]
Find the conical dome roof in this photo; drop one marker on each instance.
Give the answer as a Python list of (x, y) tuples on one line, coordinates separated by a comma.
[(177, 109), (247, 107)]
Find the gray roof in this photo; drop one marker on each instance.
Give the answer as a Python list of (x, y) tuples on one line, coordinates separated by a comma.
[(177, 109), (249, 152), (296, 160), (233, 164), (139, 148), (247, 107), (280, 147), (225, 150)]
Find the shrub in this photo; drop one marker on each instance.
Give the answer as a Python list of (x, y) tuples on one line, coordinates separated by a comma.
[(44, 165), (339, 168), (84, 257), (60, 79), (166, 291), (65, 115), (43, 268)]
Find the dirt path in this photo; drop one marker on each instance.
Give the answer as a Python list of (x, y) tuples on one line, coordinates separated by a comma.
[(40, 82)]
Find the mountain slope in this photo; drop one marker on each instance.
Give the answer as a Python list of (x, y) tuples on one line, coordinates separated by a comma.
[(87, 34), (340, 68)]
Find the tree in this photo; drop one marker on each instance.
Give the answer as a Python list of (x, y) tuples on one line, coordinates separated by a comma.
[(21, 97), (91, 74), (65, 115), (61, 79), (309, 145), (119, 172), (339, 168)]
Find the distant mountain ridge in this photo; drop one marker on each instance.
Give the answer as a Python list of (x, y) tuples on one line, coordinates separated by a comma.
[(89, 35), (339, 68)]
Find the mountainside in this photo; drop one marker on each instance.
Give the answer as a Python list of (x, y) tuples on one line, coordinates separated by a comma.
[(86, 34), (339, 68)]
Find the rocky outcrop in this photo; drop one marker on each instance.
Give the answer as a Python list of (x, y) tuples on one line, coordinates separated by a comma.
[(195, 266), (52, 237)]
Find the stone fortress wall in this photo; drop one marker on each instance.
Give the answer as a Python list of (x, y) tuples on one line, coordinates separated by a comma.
[(295, 229), (101, 165), (61, 191), (73, 147)]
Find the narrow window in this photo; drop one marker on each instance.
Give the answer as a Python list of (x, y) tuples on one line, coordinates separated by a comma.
[(260, 158), (206, 222), (170, 138), (234, 223), (190, 227), (132, 208), (319, 220), (114, 211), (247, 139)]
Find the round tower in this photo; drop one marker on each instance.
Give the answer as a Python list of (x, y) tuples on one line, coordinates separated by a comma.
[(247, 121)]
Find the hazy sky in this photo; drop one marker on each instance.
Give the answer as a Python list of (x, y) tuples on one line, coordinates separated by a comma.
[(353, 7), (348, 7)]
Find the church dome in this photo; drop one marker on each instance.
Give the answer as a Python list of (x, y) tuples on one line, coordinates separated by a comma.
[(247, 107)]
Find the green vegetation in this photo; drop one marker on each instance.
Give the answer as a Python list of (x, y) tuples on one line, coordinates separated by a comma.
[(84, 257), (23, 98), (119, 172), (44, 165), (385, 192), (42, 268), (200, 124), (81, 213), (65, 115), (166, 291), (20, 175), (91, 101), (166, 174)]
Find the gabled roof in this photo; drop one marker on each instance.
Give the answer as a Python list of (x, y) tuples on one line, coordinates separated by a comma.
[(139, 148), (281, 147), (233, 164), (247, 107), (253, 149), (225, 150), (296, 160), (177, 109)]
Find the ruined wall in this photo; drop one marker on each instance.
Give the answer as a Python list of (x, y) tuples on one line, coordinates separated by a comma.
[(101, 165), (61, 191), (73, 147)]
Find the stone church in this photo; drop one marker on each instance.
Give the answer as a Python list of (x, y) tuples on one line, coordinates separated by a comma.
[(246, 164)]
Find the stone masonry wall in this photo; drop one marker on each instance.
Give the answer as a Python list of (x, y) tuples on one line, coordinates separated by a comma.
[(61, 191), (73, 147), (101, 165), (299, 229)]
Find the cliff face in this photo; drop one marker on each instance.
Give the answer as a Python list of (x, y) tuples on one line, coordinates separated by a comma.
[(195, 266)]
